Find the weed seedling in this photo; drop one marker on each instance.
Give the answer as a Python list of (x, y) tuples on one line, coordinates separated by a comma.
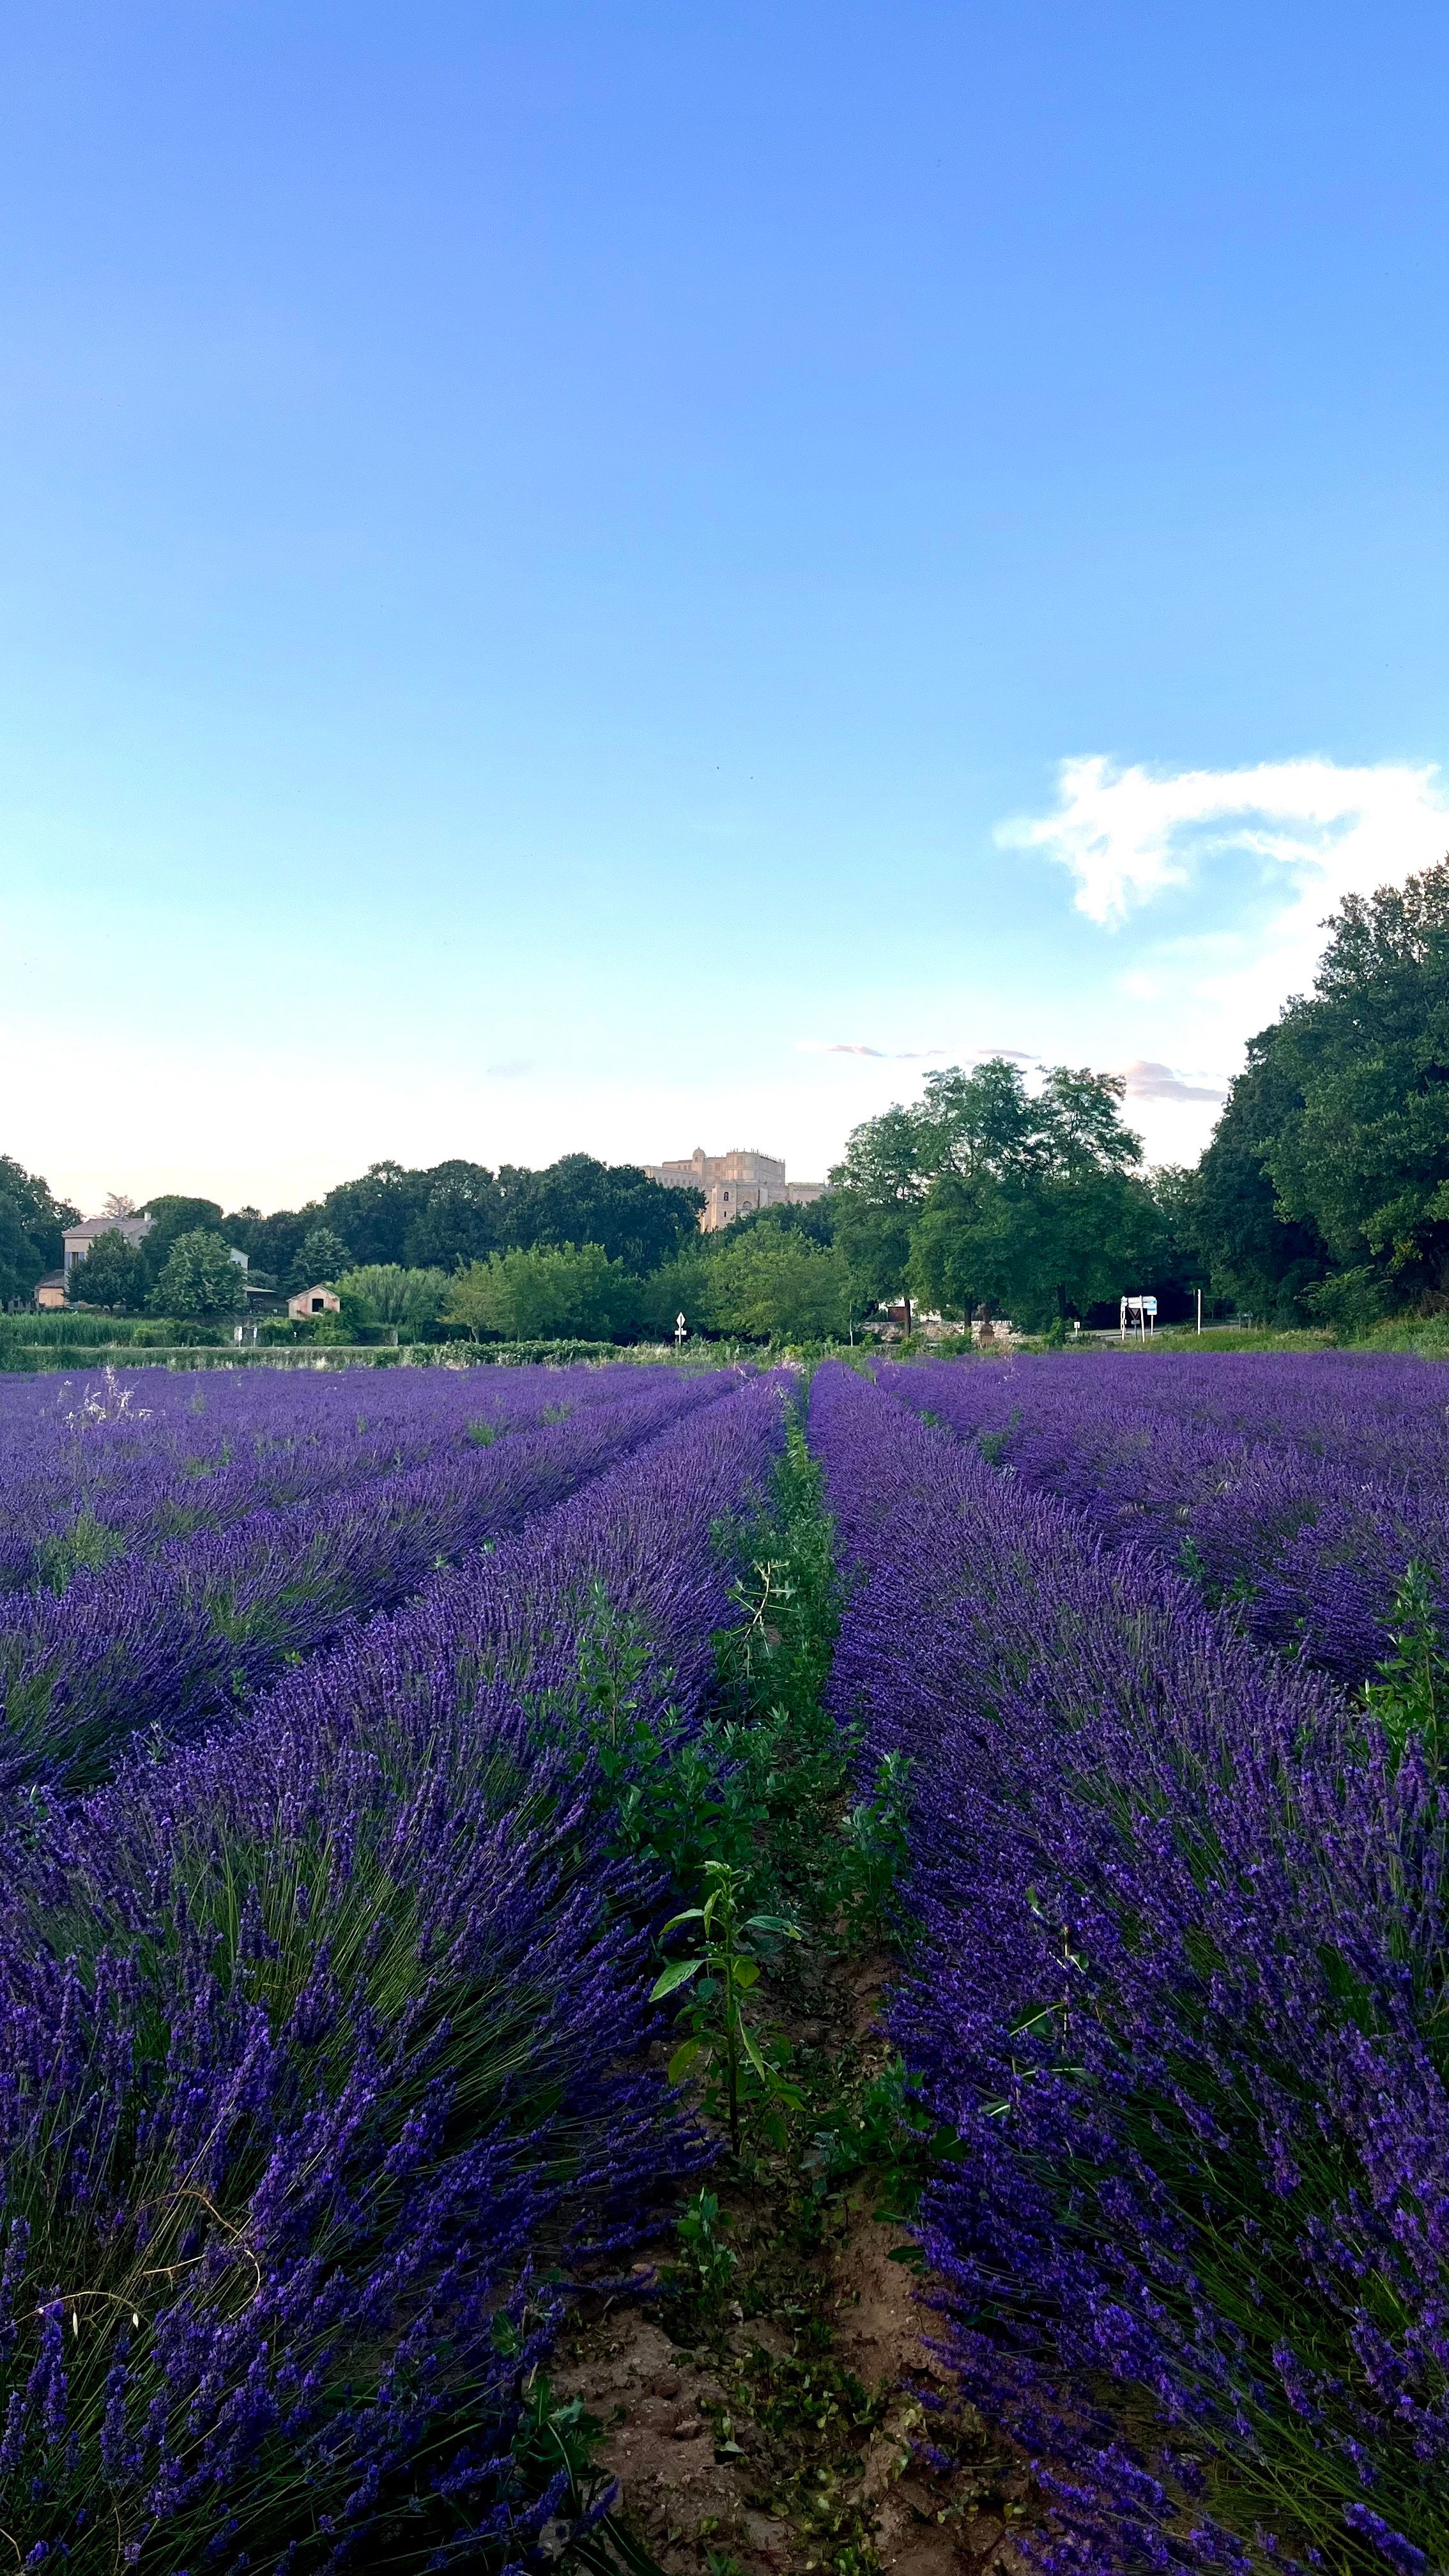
[(722, 1972), (1411, 1695)]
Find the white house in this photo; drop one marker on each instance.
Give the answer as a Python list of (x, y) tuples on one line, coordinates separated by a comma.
[(79, 1238)]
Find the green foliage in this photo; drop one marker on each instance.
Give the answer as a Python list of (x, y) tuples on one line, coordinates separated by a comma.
[(1326, 1187), (877, 1840), (879, 2130), (720, 1973), (456, 1213), (750, 1816), (20, 1262), (171, 1217), (1256, 1257), (525, 1295), (1411, 1695), (988, 1194), (31, 1225), (84, 1547), (112, 1275), (768, 1284), (387, 1294), (578, 1201), (321, 1259), (703, 2274), (198, 1279)]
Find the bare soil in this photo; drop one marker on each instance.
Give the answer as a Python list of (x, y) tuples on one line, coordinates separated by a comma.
[(802, 2423)]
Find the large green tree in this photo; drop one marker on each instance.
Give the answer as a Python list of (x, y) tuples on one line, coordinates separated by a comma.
[(988, 1192), (769, 1283), (199, 1282), (1325, 1188), (42, 1216), (32, 1223), (461, 1220), (578, 1200), (1256, 1257), (112, 1275), (1363, 1152), (372, 1215), (544, 1293), (387, 1293), (321, 1257), (172, 1216), (20, 1263)]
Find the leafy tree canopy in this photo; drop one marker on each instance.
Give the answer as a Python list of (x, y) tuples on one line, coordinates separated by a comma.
[(544, 1292), (198, 1282), (989, 1193), (171, 1217), (1325, 1189), (461, 1220), (321, 1258), (20, 1263), (772, 1283), (33, 1213), (112, 1275), (386, 1293), (615, 1205)]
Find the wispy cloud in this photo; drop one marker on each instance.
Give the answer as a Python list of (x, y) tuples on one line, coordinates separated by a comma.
[(1149, 1081), (512, 1070), (848, 1046), (1126, 834)]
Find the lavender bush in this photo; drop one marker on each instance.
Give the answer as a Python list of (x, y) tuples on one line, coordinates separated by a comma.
[(120, 1463), (172, 1639), (1300, 1491), (1180, 1992), (320, 2067)]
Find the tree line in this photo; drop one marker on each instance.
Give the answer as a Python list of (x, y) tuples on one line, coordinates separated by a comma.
[(1322, 1197)]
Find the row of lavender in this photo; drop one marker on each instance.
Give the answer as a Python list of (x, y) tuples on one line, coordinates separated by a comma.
[(98, 1467), (323, 2056), (1302, 1493), (174, 1636), (1180, 1990)]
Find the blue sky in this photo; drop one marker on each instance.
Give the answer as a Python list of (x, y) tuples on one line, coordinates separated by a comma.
[(567, 571)]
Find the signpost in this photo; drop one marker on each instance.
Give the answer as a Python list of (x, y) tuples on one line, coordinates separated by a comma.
[(1145, 1310), (681, 1330)]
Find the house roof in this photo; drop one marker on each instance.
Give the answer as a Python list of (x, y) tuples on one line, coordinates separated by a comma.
[(90, 1225)]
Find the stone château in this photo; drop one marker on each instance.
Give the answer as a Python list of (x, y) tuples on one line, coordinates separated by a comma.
[(734, 1184)]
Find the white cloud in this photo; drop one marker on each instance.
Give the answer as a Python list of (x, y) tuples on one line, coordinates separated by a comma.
[(1147, 1080), (850, 1046), (1126, 834)]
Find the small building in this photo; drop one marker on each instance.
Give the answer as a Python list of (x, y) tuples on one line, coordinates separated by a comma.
[(314, 1301), (50, 1291), (734, 1184), (79, 1238)]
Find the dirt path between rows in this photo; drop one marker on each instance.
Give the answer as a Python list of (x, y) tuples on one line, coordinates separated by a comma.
[(802, 2423)]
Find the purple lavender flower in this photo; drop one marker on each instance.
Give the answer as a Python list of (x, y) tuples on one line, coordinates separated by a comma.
[(1179, 1988), (323, 2064), (174, 1637)]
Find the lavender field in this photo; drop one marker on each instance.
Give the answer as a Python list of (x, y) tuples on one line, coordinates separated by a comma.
[(363, 1756), (1177, 1981), (326, 2009)]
